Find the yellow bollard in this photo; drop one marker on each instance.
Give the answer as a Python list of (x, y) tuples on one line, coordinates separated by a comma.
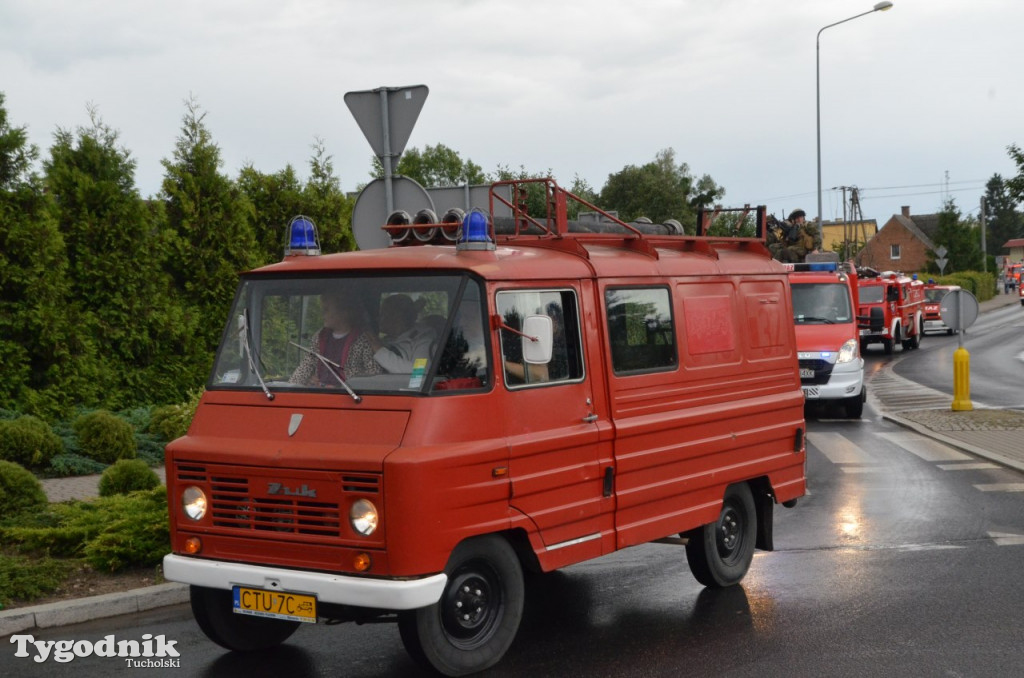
[(962, 380)]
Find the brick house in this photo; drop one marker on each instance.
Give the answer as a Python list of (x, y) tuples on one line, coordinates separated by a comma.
[(902, 244)]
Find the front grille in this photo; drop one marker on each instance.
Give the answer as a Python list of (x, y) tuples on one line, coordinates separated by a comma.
[(822, 371), (306, 504)]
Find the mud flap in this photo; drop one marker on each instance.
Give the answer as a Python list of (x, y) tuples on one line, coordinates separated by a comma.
[(765, 511)]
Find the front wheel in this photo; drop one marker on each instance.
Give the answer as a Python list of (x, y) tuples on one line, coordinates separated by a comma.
[(720, 553), (854, 405), (212, 610), (478, 615)]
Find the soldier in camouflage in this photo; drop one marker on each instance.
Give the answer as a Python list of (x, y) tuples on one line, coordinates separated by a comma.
[(791, 240)]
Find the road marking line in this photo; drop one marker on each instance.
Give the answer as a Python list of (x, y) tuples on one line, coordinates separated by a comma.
[(837, 448), (863, 469), (925, 448), (1001, 487), (968, 467), (1007, 539)]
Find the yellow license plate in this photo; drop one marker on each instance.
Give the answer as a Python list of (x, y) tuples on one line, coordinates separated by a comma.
[(274, 604)]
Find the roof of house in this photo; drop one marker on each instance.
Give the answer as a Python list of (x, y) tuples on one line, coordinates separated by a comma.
[(921, 226), (1016, 242)]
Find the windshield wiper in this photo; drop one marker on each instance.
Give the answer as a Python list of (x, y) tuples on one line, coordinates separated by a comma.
[(815, 319), (329, 364), (244, 329)]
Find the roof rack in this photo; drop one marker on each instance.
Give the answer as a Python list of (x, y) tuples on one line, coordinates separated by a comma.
[(554, 229)]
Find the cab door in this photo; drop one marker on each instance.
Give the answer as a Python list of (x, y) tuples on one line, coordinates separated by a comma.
[(553, 425)]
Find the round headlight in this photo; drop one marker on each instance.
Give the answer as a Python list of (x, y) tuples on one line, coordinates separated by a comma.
[(193, 502), (363, 517)]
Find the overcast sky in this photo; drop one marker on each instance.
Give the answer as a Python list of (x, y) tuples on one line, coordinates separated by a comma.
[(918, 103)]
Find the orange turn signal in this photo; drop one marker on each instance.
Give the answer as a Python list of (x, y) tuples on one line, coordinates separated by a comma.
[(361, 562), (193, 545)]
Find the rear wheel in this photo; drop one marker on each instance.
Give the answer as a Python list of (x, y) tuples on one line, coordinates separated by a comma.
[(212, 610), (478, 615), (887, 346), (720, 553)]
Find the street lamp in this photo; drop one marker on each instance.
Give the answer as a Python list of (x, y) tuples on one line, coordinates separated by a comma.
[(879, 7)]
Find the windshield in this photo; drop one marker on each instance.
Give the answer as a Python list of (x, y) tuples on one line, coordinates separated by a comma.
[(871, 294), (935, 293), (355, 335), (821, 303)]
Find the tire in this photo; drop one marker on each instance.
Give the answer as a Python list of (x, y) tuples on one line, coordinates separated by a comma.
[(855, 405), (720, 553), (241, 633), (486, 578), (887, 346)]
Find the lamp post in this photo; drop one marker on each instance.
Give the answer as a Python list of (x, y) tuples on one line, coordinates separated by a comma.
[(879, 7)]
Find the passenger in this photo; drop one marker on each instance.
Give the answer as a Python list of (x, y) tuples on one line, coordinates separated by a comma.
[(465, 352), (342, 341), (404, 341)]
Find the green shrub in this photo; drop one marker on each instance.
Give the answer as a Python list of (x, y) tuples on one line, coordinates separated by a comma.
[(127, 475), (172, 421), (981, 285), (71, 464), (105, 437), (151, 449), (20, 491), (28, 441), (140, 538), (24, 578), (111, 533), (138, 417)]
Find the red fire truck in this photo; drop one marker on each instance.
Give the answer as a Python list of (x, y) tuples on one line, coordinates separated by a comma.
[(891, 309), (827, 337), (579, 393), (933, 294)]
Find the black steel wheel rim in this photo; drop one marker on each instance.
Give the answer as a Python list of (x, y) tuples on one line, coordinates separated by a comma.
[(730, 533), (472, 605)]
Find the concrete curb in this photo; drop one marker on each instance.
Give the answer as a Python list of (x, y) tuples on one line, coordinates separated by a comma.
[(67, 612)]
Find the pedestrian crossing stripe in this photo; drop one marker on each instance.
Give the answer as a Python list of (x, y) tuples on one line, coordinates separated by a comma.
[(1001, 487), (852, 459), (977, 466), (1006, 539)]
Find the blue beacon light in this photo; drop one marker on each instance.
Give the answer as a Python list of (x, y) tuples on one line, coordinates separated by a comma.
[(302, 238), (475, 234)]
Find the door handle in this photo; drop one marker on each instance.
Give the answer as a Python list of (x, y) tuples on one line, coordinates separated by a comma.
[(590, 417)]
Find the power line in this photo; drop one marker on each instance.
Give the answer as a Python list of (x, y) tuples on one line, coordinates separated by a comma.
[(944, 183), (910, 195)]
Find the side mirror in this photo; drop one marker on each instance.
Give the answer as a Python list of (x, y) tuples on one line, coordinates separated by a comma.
[(537, 339)]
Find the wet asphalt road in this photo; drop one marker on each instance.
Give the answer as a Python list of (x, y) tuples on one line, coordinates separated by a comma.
[(995, 351)]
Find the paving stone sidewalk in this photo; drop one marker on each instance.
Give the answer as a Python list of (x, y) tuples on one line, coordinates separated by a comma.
[(80, 487)]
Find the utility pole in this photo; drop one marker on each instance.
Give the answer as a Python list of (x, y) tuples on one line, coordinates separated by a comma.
[(984, 252)]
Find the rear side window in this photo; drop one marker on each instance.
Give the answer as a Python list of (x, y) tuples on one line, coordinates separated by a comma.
[(640, 329)]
